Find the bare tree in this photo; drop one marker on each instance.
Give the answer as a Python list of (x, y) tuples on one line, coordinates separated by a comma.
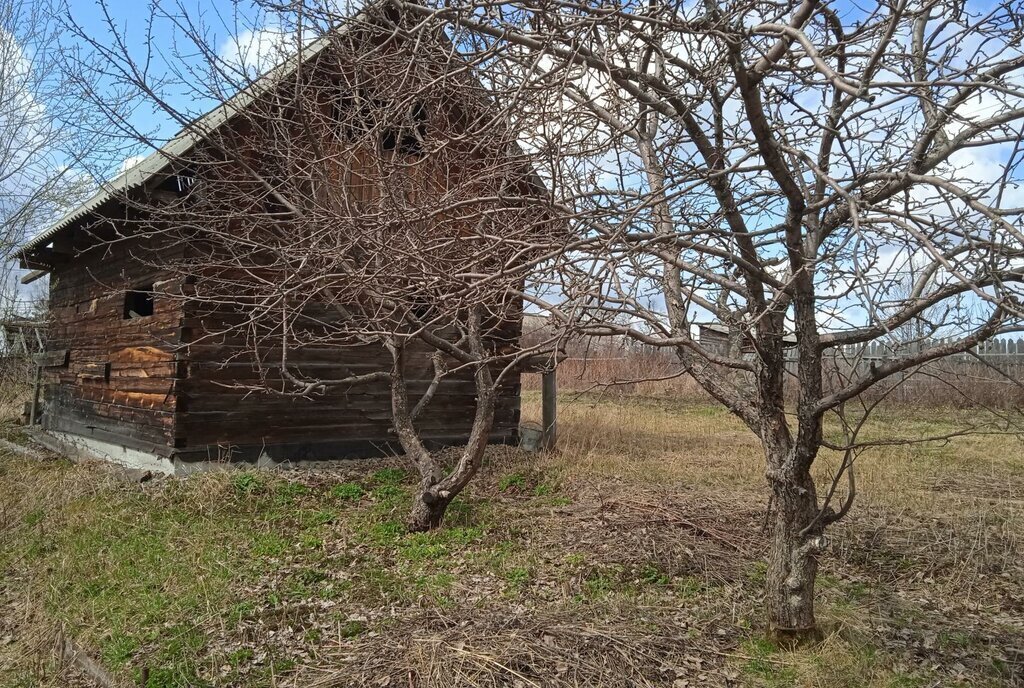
[(39, 172), (754, 164), (365, 199), (770, 167), (39, 152)]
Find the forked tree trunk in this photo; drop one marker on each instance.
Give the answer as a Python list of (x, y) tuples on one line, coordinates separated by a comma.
[(439, 487), (793, 561), (427, 511)]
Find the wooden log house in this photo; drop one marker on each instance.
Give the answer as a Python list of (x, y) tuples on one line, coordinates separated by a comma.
[(131, 376)]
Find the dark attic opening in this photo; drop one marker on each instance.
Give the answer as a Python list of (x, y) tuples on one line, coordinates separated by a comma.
[(408, 138), (138, 302)]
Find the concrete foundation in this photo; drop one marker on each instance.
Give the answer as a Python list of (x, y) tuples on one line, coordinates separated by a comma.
[(80, 448), (83, 448)]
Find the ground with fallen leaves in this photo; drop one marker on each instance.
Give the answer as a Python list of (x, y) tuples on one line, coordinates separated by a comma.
[(632, 557)]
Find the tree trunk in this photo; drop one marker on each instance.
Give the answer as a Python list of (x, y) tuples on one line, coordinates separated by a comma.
[(439, 487), (793, 561), (427, 509)]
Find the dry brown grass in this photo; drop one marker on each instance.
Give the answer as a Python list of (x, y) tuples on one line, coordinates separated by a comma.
[(939, 522), (961, 383), (663, 441), (631, 556), (615, 374), (16, 375)]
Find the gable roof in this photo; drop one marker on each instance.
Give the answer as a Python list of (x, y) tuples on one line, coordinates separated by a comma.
[(718, 331), (158, 165)]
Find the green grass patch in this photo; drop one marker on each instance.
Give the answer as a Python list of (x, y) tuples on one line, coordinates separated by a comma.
[(136, 575), (513, 481), (347, 492), (763, 665), (246, 483), (652, 574), (388, 476)]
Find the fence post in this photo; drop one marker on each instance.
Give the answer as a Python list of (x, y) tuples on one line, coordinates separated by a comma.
[(32, 412), (549, 408)]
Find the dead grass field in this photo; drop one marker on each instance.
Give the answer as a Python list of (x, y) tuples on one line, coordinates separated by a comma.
[(631, 557)]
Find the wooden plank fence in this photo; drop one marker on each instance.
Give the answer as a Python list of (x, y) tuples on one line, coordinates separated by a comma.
[(999, 357), (1005, 348), (22, 334), (21, 338)]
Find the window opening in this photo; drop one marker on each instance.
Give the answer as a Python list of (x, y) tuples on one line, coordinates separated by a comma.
[(138, 302)]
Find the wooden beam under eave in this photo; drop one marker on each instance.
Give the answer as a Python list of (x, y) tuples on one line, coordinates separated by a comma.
[(43, 259), (34, 262), (33, 276)]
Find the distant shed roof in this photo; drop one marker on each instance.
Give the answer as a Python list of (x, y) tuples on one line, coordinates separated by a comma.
[(720, 331)]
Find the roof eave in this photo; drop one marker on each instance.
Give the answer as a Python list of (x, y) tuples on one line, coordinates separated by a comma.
[(164, 157)]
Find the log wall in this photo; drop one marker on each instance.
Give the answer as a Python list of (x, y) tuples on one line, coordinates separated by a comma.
[(119, 378), (181, 381), (221, 412)]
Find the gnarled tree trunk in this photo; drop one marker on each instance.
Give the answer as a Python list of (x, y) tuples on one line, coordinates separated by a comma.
[(438, 487), (428, 508), (793, 558)]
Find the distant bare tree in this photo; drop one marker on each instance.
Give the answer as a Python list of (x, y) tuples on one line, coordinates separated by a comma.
[(925, 325), (759, 164), (38, 150), (367, 198)]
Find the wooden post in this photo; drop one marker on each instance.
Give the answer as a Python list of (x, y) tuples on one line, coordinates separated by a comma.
[(549, 405), (32, 413)]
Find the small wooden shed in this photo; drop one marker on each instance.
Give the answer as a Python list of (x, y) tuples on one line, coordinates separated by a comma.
[(130, 376)]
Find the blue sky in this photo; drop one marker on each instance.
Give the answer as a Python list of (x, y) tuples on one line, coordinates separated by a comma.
[(159, 43), (223, 23), (156, 35), (149, 34)]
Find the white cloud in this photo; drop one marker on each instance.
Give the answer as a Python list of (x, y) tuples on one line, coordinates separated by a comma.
[(254, 51), (130, 162)]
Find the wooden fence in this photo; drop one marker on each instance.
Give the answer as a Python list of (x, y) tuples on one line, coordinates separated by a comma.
[(1006, 349), (991, 374), (22, 333)]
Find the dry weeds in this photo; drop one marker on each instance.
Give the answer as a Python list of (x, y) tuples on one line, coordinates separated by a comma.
[(632, 556)]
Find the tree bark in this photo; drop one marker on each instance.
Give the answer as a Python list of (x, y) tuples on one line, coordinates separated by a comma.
[(793, 560), (428, 509), (439, 487)]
